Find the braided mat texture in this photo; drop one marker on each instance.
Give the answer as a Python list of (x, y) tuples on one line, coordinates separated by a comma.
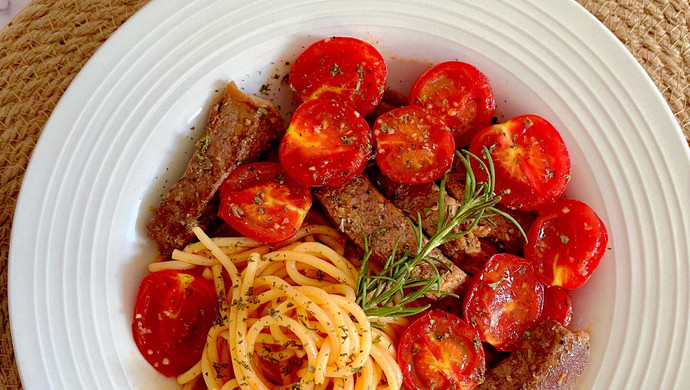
[(46, 45)]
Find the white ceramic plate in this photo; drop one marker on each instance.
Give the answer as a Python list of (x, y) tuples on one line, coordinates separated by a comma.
[(125, 128)]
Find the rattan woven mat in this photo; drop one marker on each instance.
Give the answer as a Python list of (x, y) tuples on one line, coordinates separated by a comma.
[(48, 42)]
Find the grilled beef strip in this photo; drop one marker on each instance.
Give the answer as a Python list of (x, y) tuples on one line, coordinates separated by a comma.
[(474, 262), (390, 100), (503, 234), (359, 210), (422, 200), (550, 357), (240, 127)]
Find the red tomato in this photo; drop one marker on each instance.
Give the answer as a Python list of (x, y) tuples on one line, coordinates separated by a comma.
[(440, 351), (345, 69), (172, 315), (504, 300), (460, 94), (531, 162), (260, 201), (412, 145), (557, 306), (327, 143), (566, 243)]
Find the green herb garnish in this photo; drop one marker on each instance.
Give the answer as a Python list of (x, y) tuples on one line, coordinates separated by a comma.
[(390, 292)]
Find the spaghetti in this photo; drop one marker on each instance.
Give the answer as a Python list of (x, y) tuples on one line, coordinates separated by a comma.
[(288, 317)]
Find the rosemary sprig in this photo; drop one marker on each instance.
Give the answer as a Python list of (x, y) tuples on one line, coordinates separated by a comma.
[(391, 292)]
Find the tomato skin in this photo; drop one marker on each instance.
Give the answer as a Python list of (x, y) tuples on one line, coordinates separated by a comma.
[(566, 244), (441, 351), (326, 143), (504, 300), (531, 161), (460, 94), (412, 145), (341, 68), (172, 315), (262, 202), (557, 306)]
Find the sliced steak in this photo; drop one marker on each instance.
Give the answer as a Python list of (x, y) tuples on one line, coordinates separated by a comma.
[(474, 262), (240, 127), (423, 200), (551, 358), (390, 100), (503, 234), (358, 210)]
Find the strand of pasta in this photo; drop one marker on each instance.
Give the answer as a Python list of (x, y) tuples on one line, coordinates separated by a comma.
[(305, 288), (383, 353)]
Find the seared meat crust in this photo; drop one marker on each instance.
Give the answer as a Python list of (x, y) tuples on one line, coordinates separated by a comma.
[(550, 358), (240, 127), (423, 199), (359, 210), (504, 235)]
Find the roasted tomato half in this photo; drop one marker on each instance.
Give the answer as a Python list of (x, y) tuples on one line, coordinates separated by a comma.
[(504, 300), (440, 351), (566, 244), (412, 145), (557, 306), (460, 94), (172, 315), (531, 162), (340, 68), (326, 144), (262, 202)]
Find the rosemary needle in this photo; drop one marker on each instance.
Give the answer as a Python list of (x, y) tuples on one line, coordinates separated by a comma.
[(392, 291)]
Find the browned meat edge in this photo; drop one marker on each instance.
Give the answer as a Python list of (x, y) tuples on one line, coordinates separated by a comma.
[(240, 127), (550, 357), (358, 210), (422, 200), (390, 100), (503, 234)]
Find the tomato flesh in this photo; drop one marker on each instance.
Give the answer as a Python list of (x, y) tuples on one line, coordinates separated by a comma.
[(262, 202), (460, 94), (504, 300), (531, 161), (412, 145), (172, 315), (566, 244), (440, 351), (340, 68), (557, 306), (326, 143)]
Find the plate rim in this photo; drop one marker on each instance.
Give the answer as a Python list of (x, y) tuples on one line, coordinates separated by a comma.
[(135, 25)]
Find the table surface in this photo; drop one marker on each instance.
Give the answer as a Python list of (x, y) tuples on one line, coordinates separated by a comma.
[(45, 45)]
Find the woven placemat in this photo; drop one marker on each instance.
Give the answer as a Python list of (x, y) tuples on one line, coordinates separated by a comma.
[(50, 40)]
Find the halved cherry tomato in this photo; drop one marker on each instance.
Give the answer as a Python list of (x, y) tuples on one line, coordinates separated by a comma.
[(566, 244), (440, 351), (504, 300), (260, 201), (460, 94), (341, 68), (172, 315), (557, 306), (327, 143), (413, 146), (531, 161)]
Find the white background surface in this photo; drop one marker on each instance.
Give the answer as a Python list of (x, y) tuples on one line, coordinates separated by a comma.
[(121, 134)]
